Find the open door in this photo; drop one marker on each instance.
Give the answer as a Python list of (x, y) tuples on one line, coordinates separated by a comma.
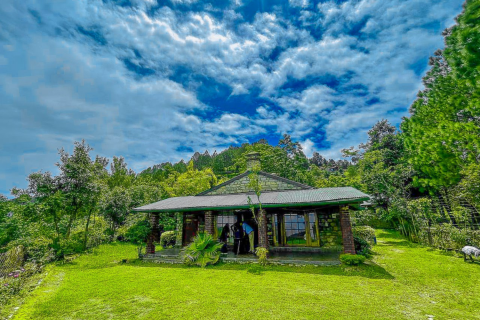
[(190, 228)]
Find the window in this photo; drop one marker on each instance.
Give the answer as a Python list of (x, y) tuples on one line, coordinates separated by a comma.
[(295, 229), (222, 220)]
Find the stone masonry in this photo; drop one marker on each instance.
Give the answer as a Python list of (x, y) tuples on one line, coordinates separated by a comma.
[(267, 183), (154, 235), (262, 230), (179, 230), (209, 223), (329, 227), (347, 235)]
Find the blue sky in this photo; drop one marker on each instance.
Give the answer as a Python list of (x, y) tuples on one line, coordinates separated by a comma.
[(152, 80)]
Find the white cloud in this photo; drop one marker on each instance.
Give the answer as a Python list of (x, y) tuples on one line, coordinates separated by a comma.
[(63, 75), (308, 147)]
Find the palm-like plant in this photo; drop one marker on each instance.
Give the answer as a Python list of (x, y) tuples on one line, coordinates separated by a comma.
[(202, 251)]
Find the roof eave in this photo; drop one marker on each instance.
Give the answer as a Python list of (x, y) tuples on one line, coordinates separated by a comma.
[(276, 205)]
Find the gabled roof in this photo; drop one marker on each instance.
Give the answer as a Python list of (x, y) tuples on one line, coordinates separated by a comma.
[(291, 198), (271, 183)]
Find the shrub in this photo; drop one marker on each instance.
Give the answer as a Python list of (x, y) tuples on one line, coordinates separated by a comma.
[(364, 232), (38, 249), (262, 255), (202, 251), (352, 259), (167, 239), (138, 233), (15, 281), (362, 247)]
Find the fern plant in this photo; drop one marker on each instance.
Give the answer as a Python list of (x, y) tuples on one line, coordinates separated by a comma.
[(204, 250)]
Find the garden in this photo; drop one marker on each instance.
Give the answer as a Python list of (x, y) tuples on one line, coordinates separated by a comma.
[(403, 280)]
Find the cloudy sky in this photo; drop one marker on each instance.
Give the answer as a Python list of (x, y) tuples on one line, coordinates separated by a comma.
[(154, 81)]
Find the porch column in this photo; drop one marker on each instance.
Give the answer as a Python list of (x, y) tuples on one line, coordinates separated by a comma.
[(347, 234), (209, 223), (262, 229), (154, 233), (179, 230)]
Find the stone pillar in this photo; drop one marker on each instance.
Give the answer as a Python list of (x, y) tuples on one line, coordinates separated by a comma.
[(210, 223), (154, 233), (262, 229), (347, 234), (179, 230)]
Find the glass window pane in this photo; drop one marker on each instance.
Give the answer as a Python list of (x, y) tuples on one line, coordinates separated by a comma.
[(295, 229)]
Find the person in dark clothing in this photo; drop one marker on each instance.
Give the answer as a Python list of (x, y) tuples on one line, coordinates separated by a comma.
[(238, 233), (224, 238)]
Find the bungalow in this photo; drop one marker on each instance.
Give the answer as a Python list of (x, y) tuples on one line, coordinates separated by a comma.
[(295, 217)]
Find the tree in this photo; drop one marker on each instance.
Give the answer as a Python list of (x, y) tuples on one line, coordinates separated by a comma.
[(442, 135), (190, 183), (78, 178), (115, 206)]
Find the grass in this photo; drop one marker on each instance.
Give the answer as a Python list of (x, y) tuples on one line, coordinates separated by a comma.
[(404, 281)]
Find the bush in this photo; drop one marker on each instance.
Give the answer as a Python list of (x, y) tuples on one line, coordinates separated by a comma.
[(262, 255), (352, 259), (202, 251), (364, 232), (38, 249), (167, 239), (138, 233), (15, 281), (362, 247)]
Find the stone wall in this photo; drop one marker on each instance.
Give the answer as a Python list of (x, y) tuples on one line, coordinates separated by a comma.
[(347, 235), (267, 183), (179, 229), (329, 227), (209, 223)]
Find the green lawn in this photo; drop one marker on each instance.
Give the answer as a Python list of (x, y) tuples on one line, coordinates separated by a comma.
[(406, 281)]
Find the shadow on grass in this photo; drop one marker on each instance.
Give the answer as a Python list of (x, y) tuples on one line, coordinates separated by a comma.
[(403, 243), (368, 270)]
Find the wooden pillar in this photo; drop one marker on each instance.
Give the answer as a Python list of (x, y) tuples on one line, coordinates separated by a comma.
[(210, 223), (179, 230), (154, 233), (347, 234), (262, 229)]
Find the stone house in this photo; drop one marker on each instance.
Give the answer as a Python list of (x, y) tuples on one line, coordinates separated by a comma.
[(295, 217)]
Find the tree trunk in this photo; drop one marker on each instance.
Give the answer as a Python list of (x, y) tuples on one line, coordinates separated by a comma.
[(86, 231), (72, 218)]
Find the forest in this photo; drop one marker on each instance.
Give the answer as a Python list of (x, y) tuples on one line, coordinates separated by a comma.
[(423, 176)]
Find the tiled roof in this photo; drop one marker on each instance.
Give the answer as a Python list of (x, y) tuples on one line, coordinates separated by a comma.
[(308, 197)]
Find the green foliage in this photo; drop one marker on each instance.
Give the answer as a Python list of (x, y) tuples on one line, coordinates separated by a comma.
[(14, 282), (136, 228), (443, 134), (352, 259), (204, 250), (168, 238), (262, 254), (362, 246), (115, 205), (190, 183), (366, 233)]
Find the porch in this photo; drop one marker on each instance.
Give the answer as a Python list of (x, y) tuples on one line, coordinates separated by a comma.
[(277, 255)]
